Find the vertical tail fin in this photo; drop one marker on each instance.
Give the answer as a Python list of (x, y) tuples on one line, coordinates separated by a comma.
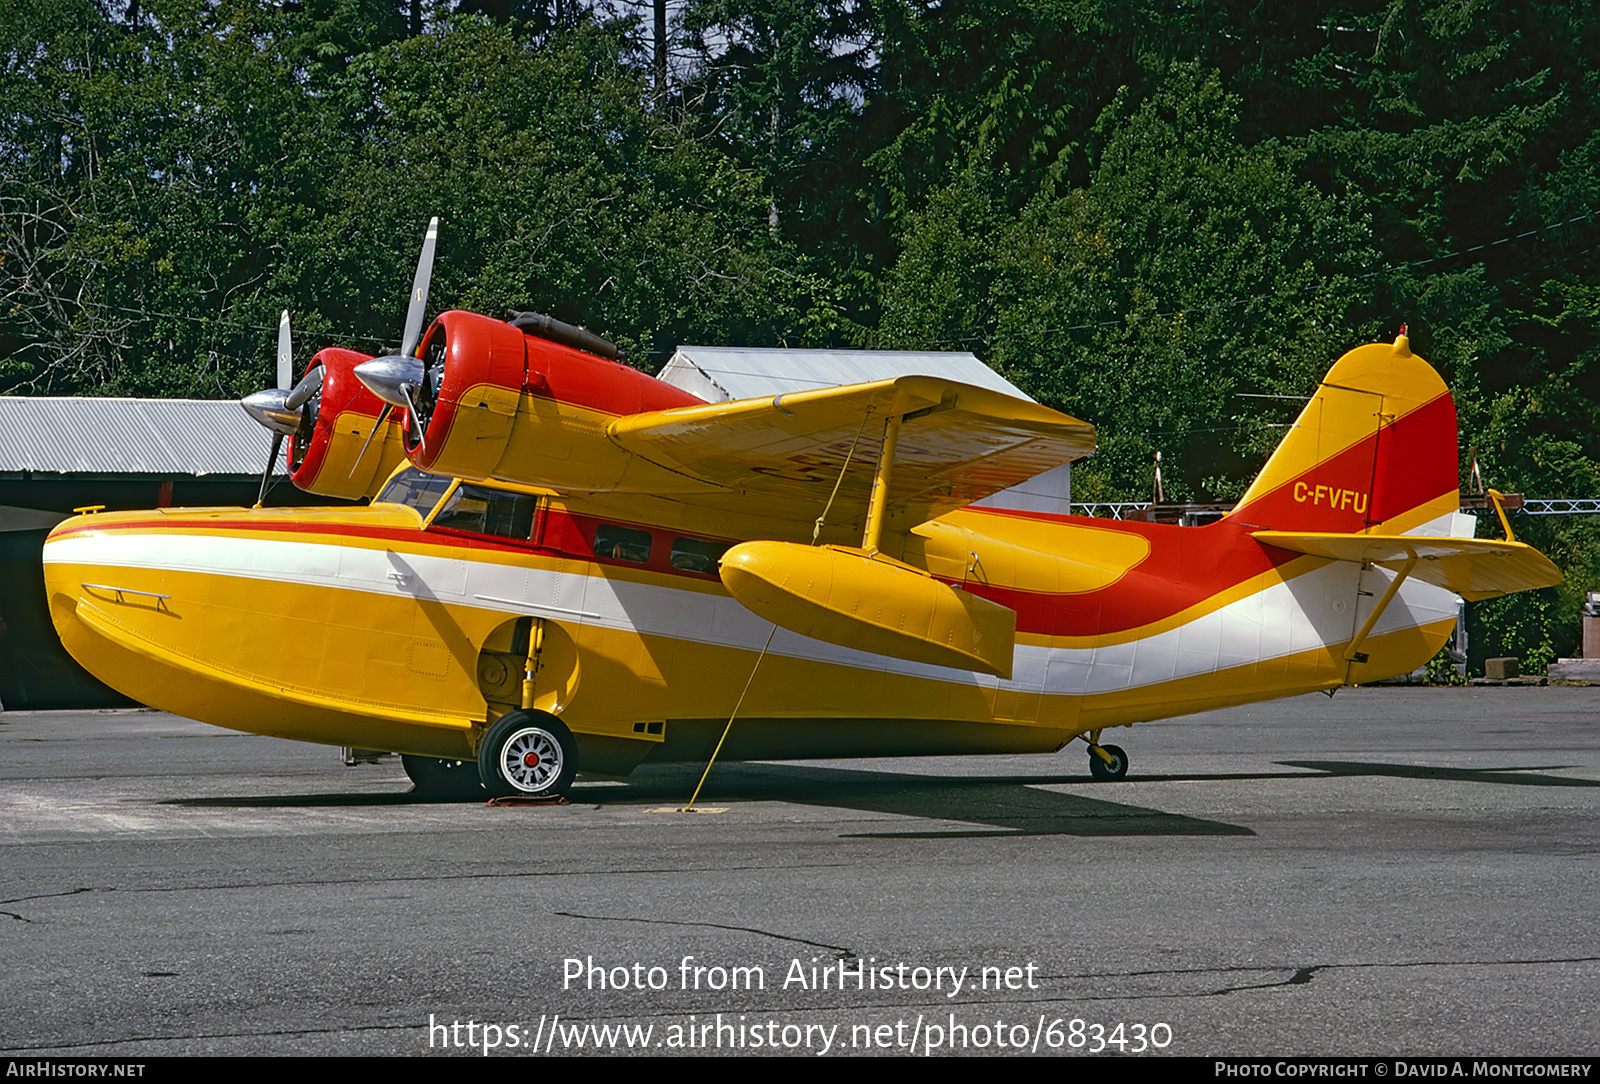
[(1373, 452)]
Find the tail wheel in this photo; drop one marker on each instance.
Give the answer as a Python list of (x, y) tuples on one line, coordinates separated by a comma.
[(527, 754), (443, 778), (1101, 769)]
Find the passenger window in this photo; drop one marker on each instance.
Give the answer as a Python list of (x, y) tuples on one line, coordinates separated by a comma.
[(622, 543), (489, 511), (416, 489), (696, 555)]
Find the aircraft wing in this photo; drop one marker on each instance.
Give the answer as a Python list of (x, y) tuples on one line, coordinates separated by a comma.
[(1474, 568), (783, 455)]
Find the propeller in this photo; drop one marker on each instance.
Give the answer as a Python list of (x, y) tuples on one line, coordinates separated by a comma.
[(398, 378), (292, 412), (282, 412)]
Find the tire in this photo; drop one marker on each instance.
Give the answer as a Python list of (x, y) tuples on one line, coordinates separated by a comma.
[(1103, 771), (442, 778), (528, 755)]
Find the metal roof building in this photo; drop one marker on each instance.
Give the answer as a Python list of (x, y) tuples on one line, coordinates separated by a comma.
[(128, 436), (58, 454), (720, 373)]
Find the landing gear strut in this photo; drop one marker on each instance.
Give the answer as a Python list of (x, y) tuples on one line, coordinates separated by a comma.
[(1105, 761)]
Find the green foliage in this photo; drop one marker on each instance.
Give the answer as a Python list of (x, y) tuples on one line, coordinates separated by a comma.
[(216, 165), (1539, 627), (1441, 669), (1156, 217), (1116, 301), (1522, 625), (558, 191)]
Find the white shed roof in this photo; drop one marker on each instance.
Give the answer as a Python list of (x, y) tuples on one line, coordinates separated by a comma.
[(720, 373)]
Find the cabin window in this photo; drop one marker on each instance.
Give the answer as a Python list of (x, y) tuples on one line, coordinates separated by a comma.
[(622, 543), (489, 511), (696, 555), (416, 489)]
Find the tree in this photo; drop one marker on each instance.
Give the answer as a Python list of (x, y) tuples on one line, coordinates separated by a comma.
[(1189, 272), (218, 165)]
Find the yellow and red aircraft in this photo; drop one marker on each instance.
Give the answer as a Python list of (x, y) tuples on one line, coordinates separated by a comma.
[(568, 563)]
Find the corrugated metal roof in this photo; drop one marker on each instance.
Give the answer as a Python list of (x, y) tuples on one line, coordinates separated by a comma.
[(720, 373), (129, 436)]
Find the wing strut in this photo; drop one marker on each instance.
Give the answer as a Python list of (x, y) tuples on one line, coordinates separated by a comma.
[(1353, 654), (878, 507)]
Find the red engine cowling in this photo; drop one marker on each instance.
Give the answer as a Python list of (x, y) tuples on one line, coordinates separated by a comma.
[(326, 456), (500, 403)]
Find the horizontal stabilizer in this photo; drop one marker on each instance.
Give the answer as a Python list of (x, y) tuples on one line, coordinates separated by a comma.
[(1474, 568), (870, 603)]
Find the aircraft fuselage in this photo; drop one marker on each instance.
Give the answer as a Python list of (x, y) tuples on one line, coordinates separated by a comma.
[(391, 628)]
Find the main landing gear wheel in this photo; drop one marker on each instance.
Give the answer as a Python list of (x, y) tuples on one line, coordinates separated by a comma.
[(442, 778), (1100, 769), (527, 755)]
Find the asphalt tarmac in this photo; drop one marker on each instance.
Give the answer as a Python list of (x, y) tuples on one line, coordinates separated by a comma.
[(1405, 872)]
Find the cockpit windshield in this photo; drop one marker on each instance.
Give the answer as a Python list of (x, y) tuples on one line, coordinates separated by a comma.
[(416, 489), (481, 510)]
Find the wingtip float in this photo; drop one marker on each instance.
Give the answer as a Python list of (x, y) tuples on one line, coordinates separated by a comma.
[(592, 562)]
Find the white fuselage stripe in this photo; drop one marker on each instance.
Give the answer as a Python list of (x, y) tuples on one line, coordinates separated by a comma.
[(1319, 608)]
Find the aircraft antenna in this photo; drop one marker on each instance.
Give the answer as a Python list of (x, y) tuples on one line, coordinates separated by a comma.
[(725, 730), (816, 529)]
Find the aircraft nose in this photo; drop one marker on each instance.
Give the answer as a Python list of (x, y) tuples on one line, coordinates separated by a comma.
[(77, 558)]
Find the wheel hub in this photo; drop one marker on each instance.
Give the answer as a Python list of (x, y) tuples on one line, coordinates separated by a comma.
[(532, 759)]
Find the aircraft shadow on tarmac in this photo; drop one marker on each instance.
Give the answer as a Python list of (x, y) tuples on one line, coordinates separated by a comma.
[(993, 805), (1531, 775), (1010, 805)]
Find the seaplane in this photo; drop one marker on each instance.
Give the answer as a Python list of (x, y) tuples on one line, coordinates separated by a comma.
[(564, 563)]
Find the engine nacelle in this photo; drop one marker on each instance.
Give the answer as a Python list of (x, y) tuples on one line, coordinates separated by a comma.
[(501, 403), (326, 455)]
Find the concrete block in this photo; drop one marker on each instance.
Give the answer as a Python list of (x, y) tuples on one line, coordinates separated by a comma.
[(1575, 670), (1501, 669)]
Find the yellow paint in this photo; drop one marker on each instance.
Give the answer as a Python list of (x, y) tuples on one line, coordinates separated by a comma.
[(348, 667), (1369, 387), (479, 431), (870, 603), (1474, 568), (631, 658), (1028, 554), (347, 471)]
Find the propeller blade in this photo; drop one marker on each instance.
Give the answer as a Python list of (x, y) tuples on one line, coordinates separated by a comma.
[(285, 354), (272, 461), (309, 385), (419, 291), (383, 416)]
